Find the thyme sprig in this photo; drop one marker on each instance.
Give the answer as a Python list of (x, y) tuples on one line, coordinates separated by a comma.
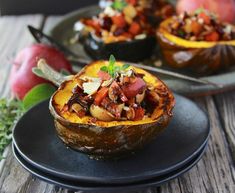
[(10, 112), (113, 70), (119, 5)]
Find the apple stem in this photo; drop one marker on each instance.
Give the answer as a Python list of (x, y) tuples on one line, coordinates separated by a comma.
[(50, 74)]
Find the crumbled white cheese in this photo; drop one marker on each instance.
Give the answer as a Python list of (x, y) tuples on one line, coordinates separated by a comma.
[(91, 88), (140, 36), (228, 29), (78, 26), (110, 11), (103, 4)]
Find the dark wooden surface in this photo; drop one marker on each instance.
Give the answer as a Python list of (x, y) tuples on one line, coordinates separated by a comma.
[(215, 173), (19, 7)]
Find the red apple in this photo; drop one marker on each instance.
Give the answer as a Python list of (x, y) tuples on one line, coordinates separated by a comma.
[(22, 79), (225, 9)]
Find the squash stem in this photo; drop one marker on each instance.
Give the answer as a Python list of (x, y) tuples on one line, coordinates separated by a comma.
[(50, 74)]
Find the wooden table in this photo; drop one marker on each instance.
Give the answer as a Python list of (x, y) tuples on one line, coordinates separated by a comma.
[(215, 173)]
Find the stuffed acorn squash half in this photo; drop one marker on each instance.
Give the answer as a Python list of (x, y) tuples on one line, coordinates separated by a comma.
[(122, 29), (110, 108), (198, 42)]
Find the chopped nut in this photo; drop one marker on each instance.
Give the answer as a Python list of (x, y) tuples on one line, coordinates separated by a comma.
[(175, 25), (154, 96), (208, 28), (140, 36), (76, 108), (158, 63), (193, 38), (128, 19), (188, 26), (201, 21), (130, 114), (140, 97), (130, 11), (107, 82)]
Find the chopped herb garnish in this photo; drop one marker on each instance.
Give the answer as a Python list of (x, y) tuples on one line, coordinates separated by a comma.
[(119, 4), (125, 66), (111, 69), (104, 68), (199, 10), (202, 10)]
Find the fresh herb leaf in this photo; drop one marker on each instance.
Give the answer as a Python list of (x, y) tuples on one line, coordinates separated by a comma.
[(104, 68), (11, 111), (112, 60), (38, 94), (125, 66), (119, 4), (117, 68), (111, 69), (199, 10)]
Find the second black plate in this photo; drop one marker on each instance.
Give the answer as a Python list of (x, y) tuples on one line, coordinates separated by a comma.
[(91, 188), (36, 140)]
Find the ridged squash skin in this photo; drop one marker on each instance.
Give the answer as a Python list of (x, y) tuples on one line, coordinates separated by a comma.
[(105, 140), (200, 57)]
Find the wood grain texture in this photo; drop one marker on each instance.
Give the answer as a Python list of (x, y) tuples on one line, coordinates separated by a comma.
[(213, 174), (14, 36), (226, 107)]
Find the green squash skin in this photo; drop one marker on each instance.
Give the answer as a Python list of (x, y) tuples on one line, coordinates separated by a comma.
[(102, 143), (199, 61), (111, 143), (132, 51)]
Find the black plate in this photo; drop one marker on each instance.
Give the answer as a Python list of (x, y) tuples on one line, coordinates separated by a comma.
[(76, 185), (37, 141)]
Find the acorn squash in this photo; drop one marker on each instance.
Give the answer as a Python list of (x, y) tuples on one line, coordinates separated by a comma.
[(200, 57), (109, 139), (132, 51)]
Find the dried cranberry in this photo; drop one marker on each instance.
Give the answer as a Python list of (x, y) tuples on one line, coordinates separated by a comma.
[(219, 29), (119, 31), (106, 23)]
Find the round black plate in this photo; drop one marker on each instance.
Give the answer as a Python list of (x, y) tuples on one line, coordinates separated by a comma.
[(37, 141), (76, 185)]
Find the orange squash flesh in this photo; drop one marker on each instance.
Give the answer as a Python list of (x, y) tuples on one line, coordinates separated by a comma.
[(201, 57)]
